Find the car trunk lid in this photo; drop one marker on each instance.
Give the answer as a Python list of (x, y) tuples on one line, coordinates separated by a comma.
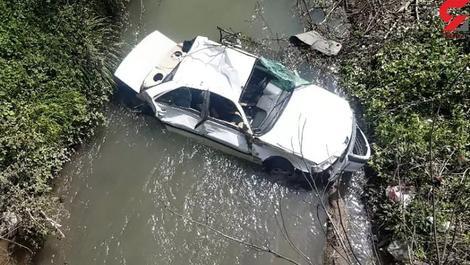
[(152, 51)]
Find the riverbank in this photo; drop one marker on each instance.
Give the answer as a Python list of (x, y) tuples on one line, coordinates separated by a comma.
[(56, 64), (410, 83)]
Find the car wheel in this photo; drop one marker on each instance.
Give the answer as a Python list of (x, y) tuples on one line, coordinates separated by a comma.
[(280, 167)]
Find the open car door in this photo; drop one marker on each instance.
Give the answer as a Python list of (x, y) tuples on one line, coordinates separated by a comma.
[(225, 126)]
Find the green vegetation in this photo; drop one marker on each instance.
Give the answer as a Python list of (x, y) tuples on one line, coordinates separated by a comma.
[(415, 97), (56, 63)]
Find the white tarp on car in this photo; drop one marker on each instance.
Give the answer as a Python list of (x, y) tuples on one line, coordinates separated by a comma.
[(215, 67)]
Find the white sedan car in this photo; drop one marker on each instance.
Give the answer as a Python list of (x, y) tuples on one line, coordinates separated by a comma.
[(245, 105)]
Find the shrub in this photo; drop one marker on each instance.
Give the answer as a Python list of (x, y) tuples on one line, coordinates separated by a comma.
[(56, 62), (416, 102)]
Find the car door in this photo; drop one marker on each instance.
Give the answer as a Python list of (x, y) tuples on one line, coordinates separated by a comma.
[(180, 109), (225, 126)]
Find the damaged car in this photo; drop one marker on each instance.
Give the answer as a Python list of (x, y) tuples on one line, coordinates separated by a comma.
[(245, 105)]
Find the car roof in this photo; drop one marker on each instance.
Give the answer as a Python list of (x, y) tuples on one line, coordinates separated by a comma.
[(220, 69)]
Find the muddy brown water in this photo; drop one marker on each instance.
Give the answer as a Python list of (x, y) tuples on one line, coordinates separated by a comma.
[(116, 188)]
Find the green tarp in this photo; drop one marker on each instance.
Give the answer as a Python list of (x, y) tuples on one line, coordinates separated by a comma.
[(286, 79)]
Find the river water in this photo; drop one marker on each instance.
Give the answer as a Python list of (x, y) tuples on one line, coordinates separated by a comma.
[(126, 189)]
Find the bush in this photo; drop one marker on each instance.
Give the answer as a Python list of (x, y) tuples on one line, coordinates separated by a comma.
[(56, 63), (416, 102)]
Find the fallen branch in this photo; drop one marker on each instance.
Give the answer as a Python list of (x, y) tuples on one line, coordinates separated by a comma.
[(286, 234), (314, 187), (331, 11), (310, 21), (54, 224), (344, 228), (16, 243)]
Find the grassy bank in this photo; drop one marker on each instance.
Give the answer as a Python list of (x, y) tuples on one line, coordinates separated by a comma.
[(414, 92), (410, 87), (56, 63)]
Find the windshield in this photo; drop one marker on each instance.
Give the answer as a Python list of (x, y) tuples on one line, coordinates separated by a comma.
[(267, 92)]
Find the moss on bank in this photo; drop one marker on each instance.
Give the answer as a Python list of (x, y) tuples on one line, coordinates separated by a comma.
[(56, 63), (415, 97)]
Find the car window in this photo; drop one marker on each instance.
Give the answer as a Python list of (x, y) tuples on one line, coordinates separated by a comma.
[(183, 97), (223, 109)]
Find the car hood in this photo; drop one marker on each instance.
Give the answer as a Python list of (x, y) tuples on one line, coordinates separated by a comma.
[(316, 124)]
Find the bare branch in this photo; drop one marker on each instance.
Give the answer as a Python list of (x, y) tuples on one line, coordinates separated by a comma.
[(18, 244), (285, 233)]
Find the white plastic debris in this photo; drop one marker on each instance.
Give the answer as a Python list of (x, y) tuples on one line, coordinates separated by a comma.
[(444, 226), (398, 250), (400, 194), (430, 219), (317, 42)]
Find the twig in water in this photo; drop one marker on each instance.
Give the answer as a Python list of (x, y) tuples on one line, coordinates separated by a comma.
[(344, 229), (313, 185), (18, 244), (310, 21), (286, 234), (54, 224)]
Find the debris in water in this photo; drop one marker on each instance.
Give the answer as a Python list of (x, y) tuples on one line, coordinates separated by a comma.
[(317, 42)]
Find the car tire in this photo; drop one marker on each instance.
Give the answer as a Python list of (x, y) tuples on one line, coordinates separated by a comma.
[(280, 167)]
